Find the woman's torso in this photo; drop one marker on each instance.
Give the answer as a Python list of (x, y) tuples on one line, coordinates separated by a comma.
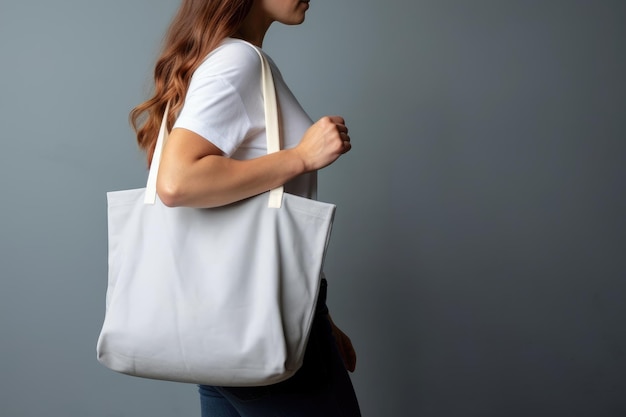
[(224, 104)]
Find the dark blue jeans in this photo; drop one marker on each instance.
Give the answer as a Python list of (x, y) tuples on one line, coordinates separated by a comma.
[(321, 388)]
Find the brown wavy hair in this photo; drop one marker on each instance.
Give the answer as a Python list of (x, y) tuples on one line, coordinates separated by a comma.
[(197, 29)]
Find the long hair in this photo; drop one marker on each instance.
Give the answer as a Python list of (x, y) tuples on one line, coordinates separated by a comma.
[(197, 29)]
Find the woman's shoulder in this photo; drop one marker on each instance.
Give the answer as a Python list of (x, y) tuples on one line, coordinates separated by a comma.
[(231, 60)]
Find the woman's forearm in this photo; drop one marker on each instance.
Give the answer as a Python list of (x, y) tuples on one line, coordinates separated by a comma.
[(215, 180)]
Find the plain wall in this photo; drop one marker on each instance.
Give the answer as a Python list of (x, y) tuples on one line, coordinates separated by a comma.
[(478, 256)]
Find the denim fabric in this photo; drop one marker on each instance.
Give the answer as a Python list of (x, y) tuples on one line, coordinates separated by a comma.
[(322, 387)]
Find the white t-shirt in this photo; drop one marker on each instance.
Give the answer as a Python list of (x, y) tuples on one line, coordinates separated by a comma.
[(224, 104)]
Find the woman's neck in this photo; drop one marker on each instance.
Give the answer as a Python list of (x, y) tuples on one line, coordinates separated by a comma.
[(254, 26)]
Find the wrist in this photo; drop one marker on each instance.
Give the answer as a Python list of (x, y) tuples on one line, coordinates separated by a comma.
[(297, 161)]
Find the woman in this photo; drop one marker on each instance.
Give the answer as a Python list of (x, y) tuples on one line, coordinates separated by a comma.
[(216, 155)]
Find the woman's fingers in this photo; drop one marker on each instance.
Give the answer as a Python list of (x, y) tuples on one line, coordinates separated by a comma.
[(342, 130), (324, 142), (344, 345)]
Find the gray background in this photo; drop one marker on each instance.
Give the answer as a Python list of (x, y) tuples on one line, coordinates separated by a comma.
[(478, 254)]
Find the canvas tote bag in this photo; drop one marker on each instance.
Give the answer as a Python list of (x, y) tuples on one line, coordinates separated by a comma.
[(222, 296)]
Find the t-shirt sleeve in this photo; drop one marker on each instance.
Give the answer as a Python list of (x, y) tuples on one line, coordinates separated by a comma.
[(224, 91)]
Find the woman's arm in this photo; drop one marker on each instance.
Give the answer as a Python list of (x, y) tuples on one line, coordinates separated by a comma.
[(344, 345), (194, 173)]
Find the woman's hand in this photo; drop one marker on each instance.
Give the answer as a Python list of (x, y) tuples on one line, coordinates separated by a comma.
[(344, 344), (324, 142)]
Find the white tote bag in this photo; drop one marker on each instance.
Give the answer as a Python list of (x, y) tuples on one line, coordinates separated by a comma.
[(222, 296)]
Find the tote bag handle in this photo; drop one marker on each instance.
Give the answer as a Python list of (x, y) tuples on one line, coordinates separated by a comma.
[(271, 133)]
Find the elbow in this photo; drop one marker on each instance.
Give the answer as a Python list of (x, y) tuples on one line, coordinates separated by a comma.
[(174, 193), (169, 192)]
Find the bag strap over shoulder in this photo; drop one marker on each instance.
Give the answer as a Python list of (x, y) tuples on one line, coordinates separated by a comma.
[(272, 133), (150, 196)]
